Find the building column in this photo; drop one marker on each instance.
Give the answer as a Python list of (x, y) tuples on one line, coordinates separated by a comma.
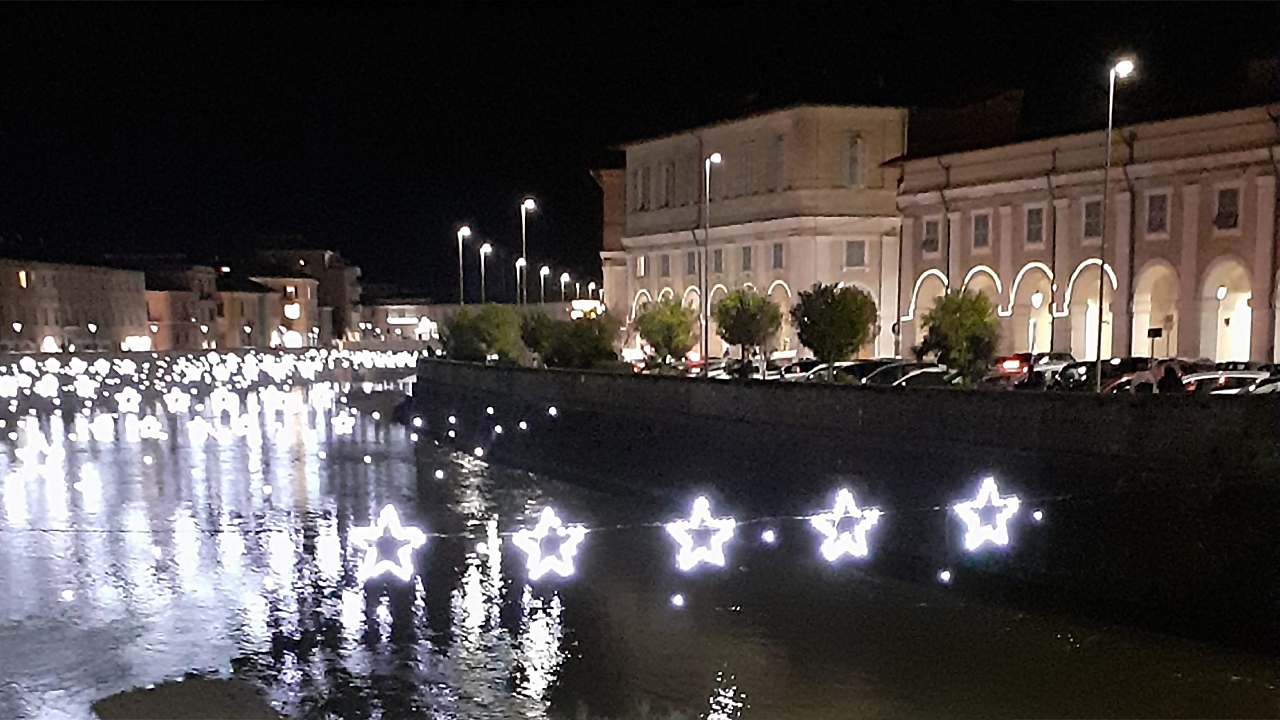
[(1122, 298), (1262, 301), (906, 328), (1060, 338), (889, 294), (1189, 309), (955, 271), (1004, 246)]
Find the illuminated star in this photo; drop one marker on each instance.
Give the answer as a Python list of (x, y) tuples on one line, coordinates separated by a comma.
[(560, 561), (977, 533), (389, 546), (700, 521), (852, 541)]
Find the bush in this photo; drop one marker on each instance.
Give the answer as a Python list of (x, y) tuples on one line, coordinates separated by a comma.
[(834, 321), (747, 319), (475, 336), (961, 330), (581, 344), (537, 332), (668, 328)]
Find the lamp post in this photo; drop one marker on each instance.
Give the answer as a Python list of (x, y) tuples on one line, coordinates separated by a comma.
[(591, 290), (564, 280), (1120, 69), (93, 332), (485, 249), (248, 335), (703, 302), (526, 206), (520, 265), (542, 283), (463, 232)]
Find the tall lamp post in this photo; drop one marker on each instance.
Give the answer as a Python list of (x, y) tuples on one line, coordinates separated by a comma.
[(564, 280), (1120, 69), (485, 249), (591, 290), (520, 265), (703, 302), (463, 232), (526, 206), (542, 283)]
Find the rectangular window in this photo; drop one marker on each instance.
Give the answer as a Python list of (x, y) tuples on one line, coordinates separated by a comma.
[(642, 266), (776, 169), (691, 263), (1158, 214), (746, 258), (717, 261), (855, 253), (664, 265), (853, 162), (981, 231), (929, 243), (1228, 215), (1035, 226), (1092, 219), (22, 278), (777, 256)]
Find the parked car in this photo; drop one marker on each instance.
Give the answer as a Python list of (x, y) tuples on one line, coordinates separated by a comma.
[(818, 373), (1265, 386), (1081, 376), (797, 369), (1224, 382), (935, 376), (1238, 365), (892, 373), (1049, 363)]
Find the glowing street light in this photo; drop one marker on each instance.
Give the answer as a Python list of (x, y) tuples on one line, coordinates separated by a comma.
[(564, 280), (542, 283), (1121, 69), (463, 232), (526, 206), (591, 289), (704, 306), (17, 327), (485, 249)]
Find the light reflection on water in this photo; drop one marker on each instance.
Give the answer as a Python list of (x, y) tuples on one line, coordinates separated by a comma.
[(116, 573)]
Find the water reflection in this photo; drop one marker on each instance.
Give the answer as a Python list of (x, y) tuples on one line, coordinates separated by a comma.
[(231, 552)]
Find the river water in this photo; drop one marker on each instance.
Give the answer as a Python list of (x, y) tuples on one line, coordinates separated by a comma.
[(136, 547)]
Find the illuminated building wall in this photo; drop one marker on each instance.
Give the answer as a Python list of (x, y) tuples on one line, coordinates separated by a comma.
[(50, 307), (299, 324)]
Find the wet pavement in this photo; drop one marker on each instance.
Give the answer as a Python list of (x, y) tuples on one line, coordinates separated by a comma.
[(139, 546)]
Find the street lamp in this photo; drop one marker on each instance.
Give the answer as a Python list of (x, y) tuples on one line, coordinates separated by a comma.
[(1120, 69), (463, 232), (485, 249), (520, 264), (542, 283), (591, 290), (17, 327), (577, 290), (564, 279), (527, 206), (704, 304), (93, 330)]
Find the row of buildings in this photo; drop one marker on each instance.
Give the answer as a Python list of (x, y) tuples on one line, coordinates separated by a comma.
[(822, 194), (279, 299)]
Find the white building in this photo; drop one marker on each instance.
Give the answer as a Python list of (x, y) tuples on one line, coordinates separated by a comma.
[(52, 307), (801, 197), (1190, 253)]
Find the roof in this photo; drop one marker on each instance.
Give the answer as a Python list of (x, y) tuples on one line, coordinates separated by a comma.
[(749, 116), (234, 283)]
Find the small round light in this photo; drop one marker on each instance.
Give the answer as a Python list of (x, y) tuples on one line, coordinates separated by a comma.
[(267, 490), (1037, 515), (322, 455), (944, 577), (413, 437), (524, 425), (1124, 67), (439, 474), (453, 420), (367, 459), (489, 410), (677, 600), (377, 415), (497, 429), (417, 422), (479, 452), (453, 434), (552, 411), (68, 596), (147, 460), (769, 536), (715, 158)]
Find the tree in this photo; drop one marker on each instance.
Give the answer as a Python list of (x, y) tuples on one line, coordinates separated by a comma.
[(834, 321), (583, 343), (476, 336), (537, 332), (668, 328), (746, 318), (961, 330)]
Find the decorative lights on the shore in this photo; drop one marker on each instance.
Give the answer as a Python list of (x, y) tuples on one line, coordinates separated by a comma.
[(388, 531), (560, 561), (691, 554), (847, 541), (978, 533)]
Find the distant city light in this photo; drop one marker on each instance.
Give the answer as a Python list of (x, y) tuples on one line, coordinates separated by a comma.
[(677, 600)]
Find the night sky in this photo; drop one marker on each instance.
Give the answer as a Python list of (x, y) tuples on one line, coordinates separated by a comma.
[(375, 129)]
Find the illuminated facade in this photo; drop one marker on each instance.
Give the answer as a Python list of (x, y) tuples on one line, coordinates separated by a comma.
[(800, 197), (300, 323), (1190, 264), (248, 313), (51, 307), (337, 287), (182, 308)]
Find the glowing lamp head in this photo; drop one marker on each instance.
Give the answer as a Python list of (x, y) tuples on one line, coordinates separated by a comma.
[(485, 249), (93, 328), (17, 327), (944, 577), (545, 271), (564, 277), (1037, 299), (715, 158), (520, 262), (1222, 292), (528, 205), (464, 232), (677, 600), (247, 329), (1123, 68)]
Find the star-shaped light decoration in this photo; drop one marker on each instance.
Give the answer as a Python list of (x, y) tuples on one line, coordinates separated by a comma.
[(558, 561), (977, 533), (851, 541), (389, 546), (701, 522)]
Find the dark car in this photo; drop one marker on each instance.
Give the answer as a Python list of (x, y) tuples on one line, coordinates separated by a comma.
[(1081, 376)]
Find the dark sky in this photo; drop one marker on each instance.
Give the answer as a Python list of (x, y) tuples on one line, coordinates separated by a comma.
[(373, 129)]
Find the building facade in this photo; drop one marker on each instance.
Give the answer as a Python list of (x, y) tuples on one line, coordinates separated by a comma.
[(1189, 262), (337, 287), (52, 307), (248, 313), (300, 324), (801, 196), (182, 307)]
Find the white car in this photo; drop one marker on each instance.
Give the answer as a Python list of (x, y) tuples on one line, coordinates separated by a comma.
[(935, 376), (819, 372), (1222, 382)]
